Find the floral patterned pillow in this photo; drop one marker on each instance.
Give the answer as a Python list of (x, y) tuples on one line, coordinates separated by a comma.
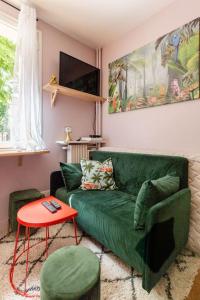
[(97, 175)]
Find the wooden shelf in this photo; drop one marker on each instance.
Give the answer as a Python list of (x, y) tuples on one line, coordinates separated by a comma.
[(20, 154), (56, 89)]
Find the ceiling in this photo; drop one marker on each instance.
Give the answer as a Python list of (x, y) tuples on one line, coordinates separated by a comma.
[(96, 22)]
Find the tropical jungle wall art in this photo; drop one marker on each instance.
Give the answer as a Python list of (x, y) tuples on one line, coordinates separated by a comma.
[(164, 71)]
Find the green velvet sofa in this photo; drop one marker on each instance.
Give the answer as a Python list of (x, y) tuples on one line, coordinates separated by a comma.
[(108, 215)]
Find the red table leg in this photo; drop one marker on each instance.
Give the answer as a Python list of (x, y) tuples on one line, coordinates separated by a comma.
[(48, 232), (14, 259), (25, 237), (15, 249), (47, 236), (75, 231), (27, 254)]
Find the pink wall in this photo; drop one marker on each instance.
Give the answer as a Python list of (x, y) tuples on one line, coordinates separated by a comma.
[(35, 170), (172, 127)]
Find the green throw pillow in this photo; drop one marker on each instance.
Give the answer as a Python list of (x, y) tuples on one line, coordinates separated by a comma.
[(150, 193), (71, 175), (97, 175)]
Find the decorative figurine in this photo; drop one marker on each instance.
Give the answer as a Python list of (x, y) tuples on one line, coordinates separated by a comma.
[(53, 79), (68, 132)]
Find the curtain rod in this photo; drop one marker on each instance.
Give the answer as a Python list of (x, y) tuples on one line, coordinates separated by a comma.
[(10, 5), (13, 6)]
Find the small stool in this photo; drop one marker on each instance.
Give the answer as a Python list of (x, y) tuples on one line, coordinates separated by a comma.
[(71, 273), (17, 200)]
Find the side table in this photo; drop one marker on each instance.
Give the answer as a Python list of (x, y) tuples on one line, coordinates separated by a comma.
[(35, 215)]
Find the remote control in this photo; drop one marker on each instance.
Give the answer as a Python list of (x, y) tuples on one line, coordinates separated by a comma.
[(50, 207), (55, 204)]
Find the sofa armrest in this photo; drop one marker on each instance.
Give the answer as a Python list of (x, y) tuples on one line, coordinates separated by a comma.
[(167, 227), (56, 181)]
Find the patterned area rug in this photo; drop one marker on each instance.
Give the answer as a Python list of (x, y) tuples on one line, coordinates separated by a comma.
[(118, 281)]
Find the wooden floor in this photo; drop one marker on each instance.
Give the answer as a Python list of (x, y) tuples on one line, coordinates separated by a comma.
[(195, 290)]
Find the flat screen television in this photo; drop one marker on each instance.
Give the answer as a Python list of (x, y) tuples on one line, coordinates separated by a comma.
[(78, 75)]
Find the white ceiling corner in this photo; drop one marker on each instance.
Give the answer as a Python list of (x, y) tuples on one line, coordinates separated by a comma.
[(96, 22)]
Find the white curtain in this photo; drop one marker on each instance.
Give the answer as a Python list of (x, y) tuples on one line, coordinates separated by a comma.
[(26, 102)]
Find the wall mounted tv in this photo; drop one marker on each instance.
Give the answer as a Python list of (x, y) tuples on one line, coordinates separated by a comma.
[(78, 75)]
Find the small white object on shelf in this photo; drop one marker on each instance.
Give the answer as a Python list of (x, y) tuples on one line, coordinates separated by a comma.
[(81, 142), (91, 139)]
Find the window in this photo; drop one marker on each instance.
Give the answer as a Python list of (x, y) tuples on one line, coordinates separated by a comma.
[(8, 33)]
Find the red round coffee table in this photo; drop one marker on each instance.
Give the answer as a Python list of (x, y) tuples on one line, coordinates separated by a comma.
[(35, 215)]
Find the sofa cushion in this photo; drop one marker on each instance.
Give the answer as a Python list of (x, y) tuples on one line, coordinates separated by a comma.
[(97, 175), (72, 175), (166, 186), (132, 169), (151, 192), (108, 217)]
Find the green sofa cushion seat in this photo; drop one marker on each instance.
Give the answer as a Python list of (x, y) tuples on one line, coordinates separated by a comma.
[(152, 192), (132, 169), (69, 273), (114, 203), (108, 216)]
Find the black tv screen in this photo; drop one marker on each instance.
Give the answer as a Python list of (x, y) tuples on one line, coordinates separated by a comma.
[(78, 75)]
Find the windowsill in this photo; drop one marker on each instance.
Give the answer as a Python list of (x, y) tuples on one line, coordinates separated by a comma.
[(20, 154), (5, 146), (10, 152)]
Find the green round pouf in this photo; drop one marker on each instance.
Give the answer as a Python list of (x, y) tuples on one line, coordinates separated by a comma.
[(71, 273)]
